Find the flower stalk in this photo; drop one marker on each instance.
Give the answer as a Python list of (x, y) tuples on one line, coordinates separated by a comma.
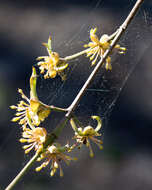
[(67, 58), (22, 172)]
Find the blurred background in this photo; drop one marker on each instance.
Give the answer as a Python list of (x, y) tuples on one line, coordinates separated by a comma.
[(122, 97)]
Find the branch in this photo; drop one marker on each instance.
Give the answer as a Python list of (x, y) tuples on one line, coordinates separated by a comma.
[(121, 30), (22, 172)]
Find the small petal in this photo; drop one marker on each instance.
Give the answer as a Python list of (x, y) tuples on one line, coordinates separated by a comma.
[(98, 47), (13, 107), (56, 165), (15, 119), (99, 125), (23, 140)]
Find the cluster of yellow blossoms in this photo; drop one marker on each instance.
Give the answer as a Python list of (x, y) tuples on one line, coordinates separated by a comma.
[(83, 135), (97, 48), (55, 154), (31, 111), (54, 65), (36, 136)]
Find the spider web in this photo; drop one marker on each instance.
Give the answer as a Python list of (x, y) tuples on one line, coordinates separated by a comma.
[(104, 91)]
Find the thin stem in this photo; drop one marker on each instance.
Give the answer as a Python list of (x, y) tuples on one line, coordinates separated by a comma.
[(121, 30), (74, 55), (111, 37), (57, 131), (73, 125), (58, 109), (22, 172)]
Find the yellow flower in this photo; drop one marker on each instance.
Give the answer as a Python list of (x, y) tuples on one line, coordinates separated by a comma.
[(97, 48), (84, 135), (30, 111), (52, 63), (36, 136), (54, 154)]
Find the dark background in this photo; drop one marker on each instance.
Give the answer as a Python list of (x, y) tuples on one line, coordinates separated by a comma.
[(126, 106)]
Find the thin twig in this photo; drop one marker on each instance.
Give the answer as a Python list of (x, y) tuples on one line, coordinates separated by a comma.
[(67, 58), (121, 30), (22, 172), (57, 109)]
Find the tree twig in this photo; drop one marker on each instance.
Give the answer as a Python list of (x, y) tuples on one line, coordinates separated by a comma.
[(121, 30), (22, 172)]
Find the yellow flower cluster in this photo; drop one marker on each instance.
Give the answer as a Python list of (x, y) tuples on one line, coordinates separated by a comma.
[(52, 63), (55, 154), (31, 111), (84, 135), (36, 136), (97, 48)]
